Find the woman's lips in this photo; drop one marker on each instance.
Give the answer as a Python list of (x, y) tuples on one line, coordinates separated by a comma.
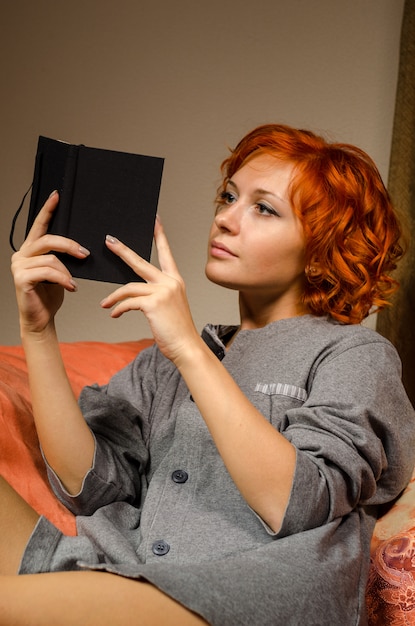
[(217, 249)]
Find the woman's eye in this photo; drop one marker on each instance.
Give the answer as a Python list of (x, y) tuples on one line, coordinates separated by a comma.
[(263, 209), (227, 197)]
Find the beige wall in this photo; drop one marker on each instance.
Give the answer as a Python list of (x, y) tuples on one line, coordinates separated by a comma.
[(183, 80)]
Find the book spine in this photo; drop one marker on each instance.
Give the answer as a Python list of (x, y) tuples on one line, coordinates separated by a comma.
[(63, 214)]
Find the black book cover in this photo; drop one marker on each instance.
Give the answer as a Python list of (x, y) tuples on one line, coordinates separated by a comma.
[(101, 192)]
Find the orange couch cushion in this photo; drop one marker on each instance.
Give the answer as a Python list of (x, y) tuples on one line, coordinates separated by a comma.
[(21, 462)]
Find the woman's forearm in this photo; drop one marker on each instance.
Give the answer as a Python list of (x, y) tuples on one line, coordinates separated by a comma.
[(66, 440), (259, 459)]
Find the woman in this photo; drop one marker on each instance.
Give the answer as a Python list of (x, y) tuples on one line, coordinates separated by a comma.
[(232, 478)]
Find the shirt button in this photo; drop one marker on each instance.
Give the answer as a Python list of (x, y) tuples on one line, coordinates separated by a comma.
[(180, 476), (160, 548)]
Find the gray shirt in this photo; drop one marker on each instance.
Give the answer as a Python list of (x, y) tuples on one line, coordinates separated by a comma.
[(159, 503)]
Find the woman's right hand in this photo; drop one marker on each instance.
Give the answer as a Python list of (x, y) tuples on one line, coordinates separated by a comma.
[(40, 278)]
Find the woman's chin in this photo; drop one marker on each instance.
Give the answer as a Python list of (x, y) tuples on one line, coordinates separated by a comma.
[(218, 278)]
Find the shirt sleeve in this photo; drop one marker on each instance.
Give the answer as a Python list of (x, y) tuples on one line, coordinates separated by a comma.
[(119, 415), (354, 435)]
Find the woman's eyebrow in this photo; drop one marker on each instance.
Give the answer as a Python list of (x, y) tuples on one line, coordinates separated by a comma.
[(265, 192), (259, 191)]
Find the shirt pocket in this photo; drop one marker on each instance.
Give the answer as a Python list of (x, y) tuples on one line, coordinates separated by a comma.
[(274, 399)]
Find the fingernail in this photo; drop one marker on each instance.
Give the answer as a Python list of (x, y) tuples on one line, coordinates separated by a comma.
[(84, 251), (111, 239), (74, 285), (53, 193)]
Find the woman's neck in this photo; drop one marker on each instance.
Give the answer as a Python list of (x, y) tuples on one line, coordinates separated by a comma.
[(257, 314)]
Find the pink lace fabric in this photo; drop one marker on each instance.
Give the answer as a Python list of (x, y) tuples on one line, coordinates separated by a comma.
[(390, 596), (391, 586)]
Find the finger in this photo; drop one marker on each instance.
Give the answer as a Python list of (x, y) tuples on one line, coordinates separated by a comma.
[(129, 291), (165, 256), (141, 267), (56, 243), (45, 260), (131, 304), (42, 220), (47, 243), (45, 269)]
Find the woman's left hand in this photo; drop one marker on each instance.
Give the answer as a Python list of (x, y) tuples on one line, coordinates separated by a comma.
[(162, 298)]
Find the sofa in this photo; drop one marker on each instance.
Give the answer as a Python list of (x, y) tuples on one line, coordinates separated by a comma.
[(391, 586)]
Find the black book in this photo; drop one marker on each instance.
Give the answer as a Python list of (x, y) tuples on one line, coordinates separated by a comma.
[(101, 192)]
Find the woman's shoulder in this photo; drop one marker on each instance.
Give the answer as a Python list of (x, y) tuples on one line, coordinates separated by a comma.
[(316, 338), (353, 334), (315, 329), (337, 337), (326, 324), (353, 345)]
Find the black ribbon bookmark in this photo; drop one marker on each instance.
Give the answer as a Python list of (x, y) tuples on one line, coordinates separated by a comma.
[(16, 215)]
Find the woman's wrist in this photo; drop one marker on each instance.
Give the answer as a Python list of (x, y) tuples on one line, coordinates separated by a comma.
[(45, 334), (192, 356)]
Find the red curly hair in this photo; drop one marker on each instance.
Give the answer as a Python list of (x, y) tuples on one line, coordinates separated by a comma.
[(351, 229)]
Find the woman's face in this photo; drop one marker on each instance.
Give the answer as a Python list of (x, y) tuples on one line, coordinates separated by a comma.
[(256, 243)]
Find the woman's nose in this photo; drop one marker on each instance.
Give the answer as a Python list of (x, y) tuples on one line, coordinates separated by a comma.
[(228, 218)]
